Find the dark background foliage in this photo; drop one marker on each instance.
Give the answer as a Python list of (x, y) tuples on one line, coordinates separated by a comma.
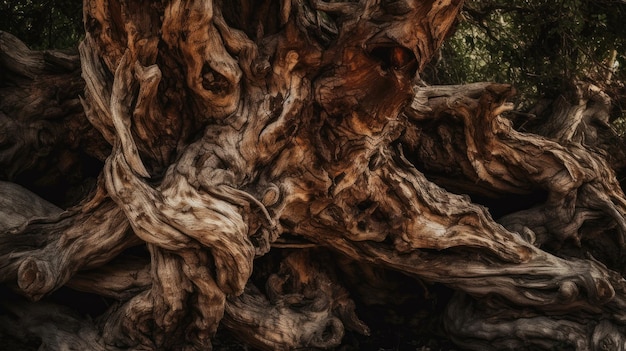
[(51, 24), (539, 46)]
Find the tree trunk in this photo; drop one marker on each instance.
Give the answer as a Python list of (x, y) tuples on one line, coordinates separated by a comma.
[(263, 165)]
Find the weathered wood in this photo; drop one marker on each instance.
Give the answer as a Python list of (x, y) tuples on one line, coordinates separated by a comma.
[(39, 269), (579, 184), (18, 206), (303, 299), (231, 136), (58, 328), (45, 136)]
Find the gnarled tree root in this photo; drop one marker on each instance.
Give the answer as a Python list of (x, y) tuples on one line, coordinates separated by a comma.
[(223, 139)]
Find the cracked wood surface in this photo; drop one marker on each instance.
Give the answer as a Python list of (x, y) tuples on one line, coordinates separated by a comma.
[(229, 137)]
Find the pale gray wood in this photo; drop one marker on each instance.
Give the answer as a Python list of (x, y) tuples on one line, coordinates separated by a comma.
[(19, 205)]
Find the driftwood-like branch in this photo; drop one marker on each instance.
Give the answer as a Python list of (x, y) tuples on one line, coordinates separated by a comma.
[(45, 137), (302, 134)]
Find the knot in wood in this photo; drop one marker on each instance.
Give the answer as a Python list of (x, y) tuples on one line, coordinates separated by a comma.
[(568, 291), (271, 195), (607, 337)]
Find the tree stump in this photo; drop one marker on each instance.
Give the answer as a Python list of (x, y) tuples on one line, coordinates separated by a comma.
[(249, 153)]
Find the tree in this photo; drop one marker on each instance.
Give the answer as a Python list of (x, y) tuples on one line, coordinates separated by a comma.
[(551, 51), (540, 46), (49, 24), (253, 153)]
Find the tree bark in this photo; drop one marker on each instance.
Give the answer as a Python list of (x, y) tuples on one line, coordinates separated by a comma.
[(250, 149)]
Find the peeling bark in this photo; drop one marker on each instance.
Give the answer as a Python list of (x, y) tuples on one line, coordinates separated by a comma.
[(243, 141)]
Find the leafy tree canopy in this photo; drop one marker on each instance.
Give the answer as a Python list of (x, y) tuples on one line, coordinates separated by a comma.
[(540, 46), (43, 24)]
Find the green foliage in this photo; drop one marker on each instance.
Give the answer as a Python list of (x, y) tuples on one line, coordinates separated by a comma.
[(43, 24), (539, 46)]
